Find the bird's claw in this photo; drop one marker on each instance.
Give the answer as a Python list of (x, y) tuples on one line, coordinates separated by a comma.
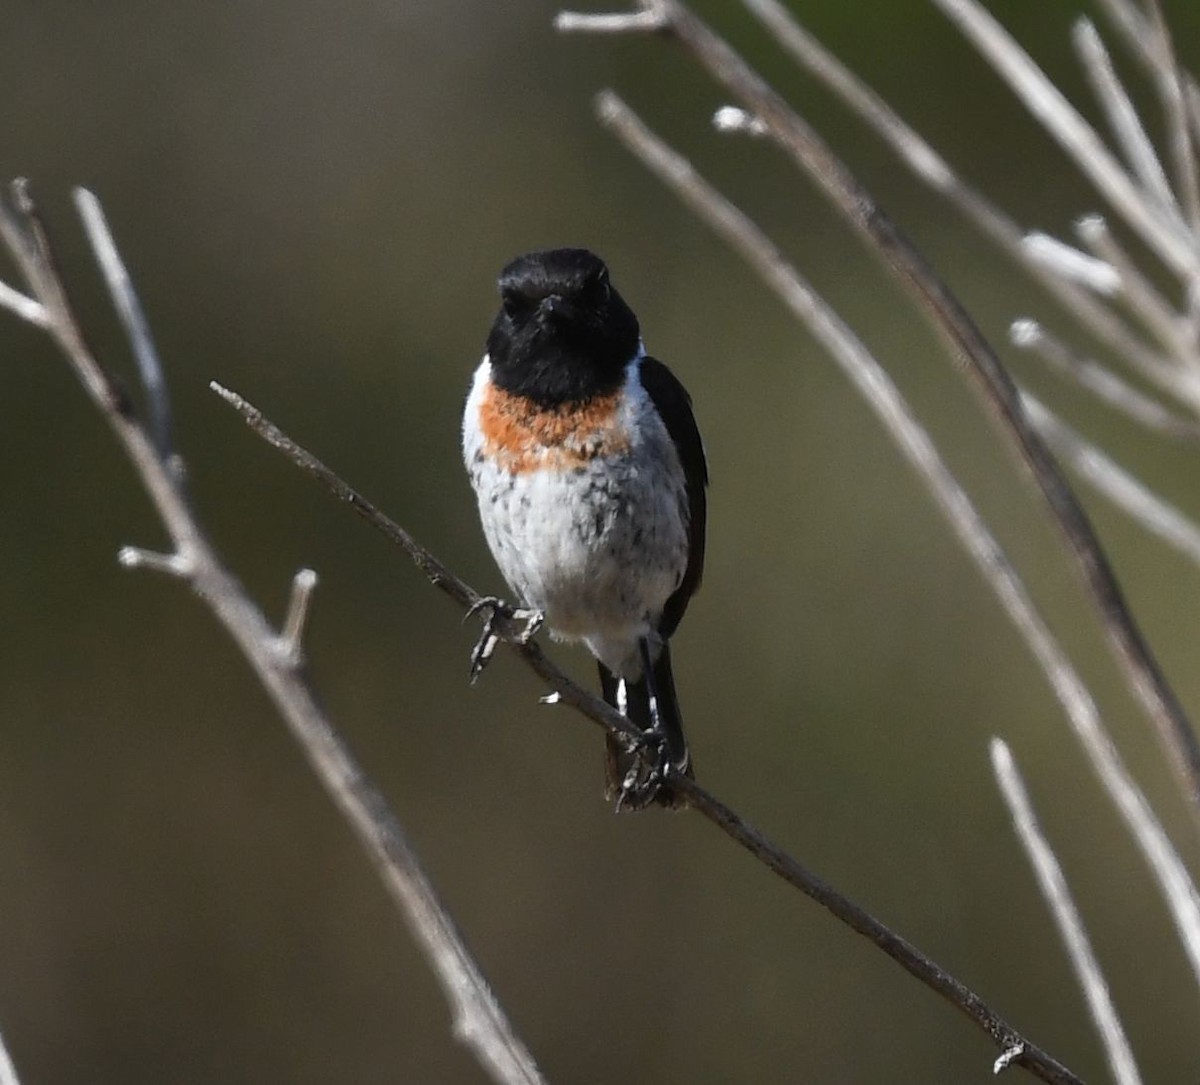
[(503, 622), (648, 775)]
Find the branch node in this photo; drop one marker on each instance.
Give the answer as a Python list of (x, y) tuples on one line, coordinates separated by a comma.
[(1091, 227), (733, 119), (137, 557), (290, 642), (1071, 264), (1025, 333), (1007, 1057), (648, 20), (22, 200), (28, 309)]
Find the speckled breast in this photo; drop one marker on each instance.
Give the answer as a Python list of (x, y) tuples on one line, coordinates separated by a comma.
[(583, 505)]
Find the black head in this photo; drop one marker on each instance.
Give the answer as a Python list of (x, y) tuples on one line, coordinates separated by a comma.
[(563, 333)]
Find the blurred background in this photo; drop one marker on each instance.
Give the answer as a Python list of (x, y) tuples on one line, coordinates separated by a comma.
[(314, 200)]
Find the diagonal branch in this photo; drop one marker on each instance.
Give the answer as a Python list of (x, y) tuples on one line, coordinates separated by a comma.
[(1053, 884), (1077, 138), (1172, 90), (1123, 117), (566, 691), (479, 1020), (1123, 489), (1100, 381), (133, 319)]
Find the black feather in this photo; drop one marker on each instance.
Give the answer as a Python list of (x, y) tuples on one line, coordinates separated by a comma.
[(674, 406)]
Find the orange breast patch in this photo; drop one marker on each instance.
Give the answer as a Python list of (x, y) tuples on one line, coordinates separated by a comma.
[(522, 436)]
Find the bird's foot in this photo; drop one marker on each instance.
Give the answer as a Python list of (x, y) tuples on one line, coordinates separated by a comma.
[(503, 622), (645, 781)]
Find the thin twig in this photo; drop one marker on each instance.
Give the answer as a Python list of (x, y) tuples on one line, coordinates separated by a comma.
[(1101, 381), (872, 381), (1139, 36), (435, 571), (967, 343), (1123, 117), (1068, 127), (566, 691), (24, 306), (1141, 294), (133, 318), (1129, 494), (1172, 92), (1053, 885), (138, 557), (478, 1019), (930, 167), (1069, 263), (291, 637)]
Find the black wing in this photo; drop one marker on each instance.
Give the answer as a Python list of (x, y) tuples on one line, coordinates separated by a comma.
[(674, 405)]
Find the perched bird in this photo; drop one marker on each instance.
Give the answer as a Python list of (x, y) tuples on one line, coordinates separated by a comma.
[(590, 476)]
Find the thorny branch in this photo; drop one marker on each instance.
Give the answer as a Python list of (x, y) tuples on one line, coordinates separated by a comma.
[(478, 1019)]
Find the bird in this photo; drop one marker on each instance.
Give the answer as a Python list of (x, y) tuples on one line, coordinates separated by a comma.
[(590, 476)]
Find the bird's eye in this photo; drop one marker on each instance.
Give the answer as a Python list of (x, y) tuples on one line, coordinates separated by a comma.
[(514, 304), (600, 284)]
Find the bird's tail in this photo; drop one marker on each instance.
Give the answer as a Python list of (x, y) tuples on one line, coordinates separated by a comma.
[(620, 761)]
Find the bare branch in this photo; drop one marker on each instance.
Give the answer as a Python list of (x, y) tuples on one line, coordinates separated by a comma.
[(1123, 117), (478, 1018), (872, 381), (1071, 264), (1054, 888), (1064, 122), (867, 376), (1131, 22), (566, 691), (1142, 295), (24, 306), (1144, 45), (1102, 382), (1125, 491), (929, 166), (136, 557), (437, 573), (133, 319), (1171, 87)]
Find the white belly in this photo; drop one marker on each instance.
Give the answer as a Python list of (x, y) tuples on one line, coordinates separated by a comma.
[(600, 546)]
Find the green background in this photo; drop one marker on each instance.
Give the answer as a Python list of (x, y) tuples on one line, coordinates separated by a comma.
[(314, 199)]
